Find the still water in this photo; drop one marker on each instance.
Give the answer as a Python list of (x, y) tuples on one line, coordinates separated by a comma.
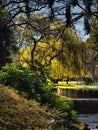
[(90, 119)]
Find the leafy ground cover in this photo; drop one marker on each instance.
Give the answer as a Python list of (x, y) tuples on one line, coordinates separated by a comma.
[(17, 112)]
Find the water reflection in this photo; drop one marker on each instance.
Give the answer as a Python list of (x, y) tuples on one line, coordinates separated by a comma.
[(90, 119), (86, 105)]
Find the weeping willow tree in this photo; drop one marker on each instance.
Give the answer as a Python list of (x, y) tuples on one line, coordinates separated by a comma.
[(93, 49), (70, 62), (62, 57)]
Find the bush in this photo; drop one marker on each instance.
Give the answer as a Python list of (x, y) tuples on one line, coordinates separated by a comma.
[(21, 78), (88, 80)]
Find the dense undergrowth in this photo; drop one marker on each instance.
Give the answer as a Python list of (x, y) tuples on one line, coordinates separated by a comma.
[(20, 111)]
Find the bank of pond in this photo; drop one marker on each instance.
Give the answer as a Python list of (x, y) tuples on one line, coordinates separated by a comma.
[(85, 101), (78, 92)]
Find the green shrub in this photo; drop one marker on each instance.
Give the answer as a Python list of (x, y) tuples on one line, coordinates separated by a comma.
[(21, 78), (88, 80)]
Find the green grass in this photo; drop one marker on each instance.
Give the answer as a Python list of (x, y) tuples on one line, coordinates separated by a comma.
[(73, 85), (64, 83), (77, 88)]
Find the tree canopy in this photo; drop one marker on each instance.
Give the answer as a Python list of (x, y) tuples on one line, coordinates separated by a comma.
[(63, 9), (42, 18)]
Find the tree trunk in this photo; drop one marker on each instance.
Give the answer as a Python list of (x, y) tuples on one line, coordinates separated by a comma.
[(2, 46), (67, 80)]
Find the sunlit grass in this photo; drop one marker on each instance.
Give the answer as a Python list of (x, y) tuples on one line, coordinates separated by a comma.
[(70, 82), (77, 85)]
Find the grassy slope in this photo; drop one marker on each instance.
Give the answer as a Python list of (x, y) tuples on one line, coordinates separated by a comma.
[(18, 113)]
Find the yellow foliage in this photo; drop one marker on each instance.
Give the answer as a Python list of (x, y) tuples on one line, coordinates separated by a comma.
[(68, 63), (25, 56)]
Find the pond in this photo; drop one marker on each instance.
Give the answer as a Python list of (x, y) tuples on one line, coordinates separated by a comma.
[(90, 119), (87, 109), (85, 103)]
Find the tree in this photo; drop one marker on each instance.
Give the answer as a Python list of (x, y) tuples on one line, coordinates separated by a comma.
[(63, 57), (7, 39), (64, 8), (56, 9), (93, 48), (70, 60)]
